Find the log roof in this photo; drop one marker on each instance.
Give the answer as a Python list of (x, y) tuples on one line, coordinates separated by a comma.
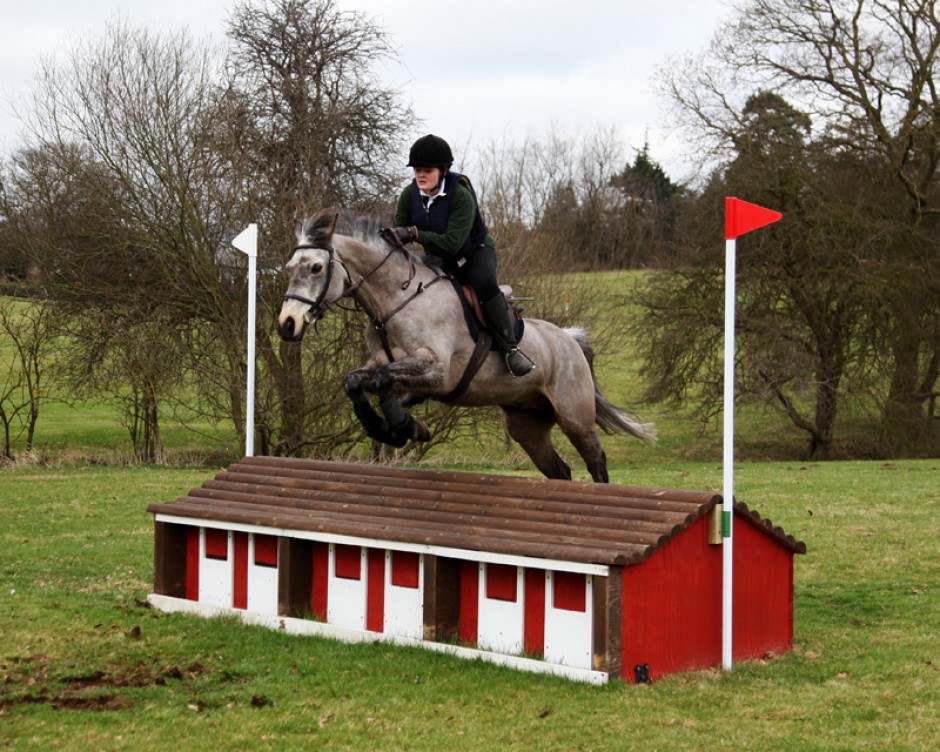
[(564, 520)]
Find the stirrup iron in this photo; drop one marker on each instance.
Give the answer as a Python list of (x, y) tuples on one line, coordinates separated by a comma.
[(518, 363)]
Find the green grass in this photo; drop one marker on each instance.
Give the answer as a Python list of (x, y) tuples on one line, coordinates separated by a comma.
[(84, 664), (94, 431)]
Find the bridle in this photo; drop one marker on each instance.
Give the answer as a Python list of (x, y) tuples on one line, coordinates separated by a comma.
[(319, 307)]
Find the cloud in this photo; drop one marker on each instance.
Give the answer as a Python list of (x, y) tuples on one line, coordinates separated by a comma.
[(489, 69)]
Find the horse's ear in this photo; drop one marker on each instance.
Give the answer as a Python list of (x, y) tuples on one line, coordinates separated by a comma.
[(298, 228), (320, 227)]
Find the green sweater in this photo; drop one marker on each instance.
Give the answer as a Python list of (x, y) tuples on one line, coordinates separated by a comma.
[(462, 212)]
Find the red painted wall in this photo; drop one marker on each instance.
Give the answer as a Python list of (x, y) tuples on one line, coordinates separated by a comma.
[(406, 569), (672, 606), (469, 601), (240, 571), (319, 596), (763, 594), (375, 590), (192, 563), (672, 602), (533, 628)]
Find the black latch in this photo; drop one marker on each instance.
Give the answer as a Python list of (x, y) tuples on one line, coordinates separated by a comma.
[(642, 672)]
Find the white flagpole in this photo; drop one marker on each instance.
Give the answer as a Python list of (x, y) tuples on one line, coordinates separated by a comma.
[(727, 515), (247, 242)]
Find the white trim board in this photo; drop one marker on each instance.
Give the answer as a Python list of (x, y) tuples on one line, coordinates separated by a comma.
[(295, 626), (530, 562)]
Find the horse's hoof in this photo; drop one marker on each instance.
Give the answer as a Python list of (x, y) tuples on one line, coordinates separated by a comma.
[(397, 440), (420, 431), (353, 383)]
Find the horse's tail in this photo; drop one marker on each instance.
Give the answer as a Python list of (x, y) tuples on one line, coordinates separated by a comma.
[(610, 417)]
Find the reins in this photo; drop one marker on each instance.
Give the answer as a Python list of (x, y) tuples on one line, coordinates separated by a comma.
[(318, 308)]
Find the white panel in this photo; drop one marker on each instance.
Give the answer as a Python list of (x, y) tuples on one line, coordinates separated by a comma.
[(500, 623), (216, 576), (262, 584), (569, 634), (404, 607), (346, 601)]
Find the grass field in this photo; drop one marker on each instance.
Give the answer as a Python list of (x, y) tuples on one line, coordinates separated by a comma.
[(84, 664)]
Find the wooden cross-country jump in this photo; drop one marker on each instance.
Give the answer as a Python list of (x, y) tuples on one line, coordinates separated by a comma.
[(582, 580)]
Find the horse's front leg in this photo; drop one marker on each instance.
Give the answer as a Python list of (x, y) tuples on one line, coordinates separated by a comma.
[(403, 427), (415, 376), (418, 372), (376, 427)]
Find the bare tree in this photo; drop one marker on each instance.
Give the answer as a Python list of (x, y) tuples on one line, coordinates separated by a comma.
[(146, 160), (549, 202), (31, 332), (306, 124), (865, 72), (121, 208)]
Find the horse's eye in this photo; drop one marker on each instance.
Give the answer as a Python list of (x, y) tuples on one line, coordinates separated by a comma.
[(316, 268)]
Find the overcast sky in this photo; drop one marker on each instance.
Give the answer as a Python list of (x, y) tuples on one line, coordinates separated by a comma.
[(474, 71)]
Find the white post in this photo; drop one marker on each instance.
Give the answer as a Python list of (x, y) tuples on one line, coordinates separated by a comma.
[(727, 598), (740, 217), (247, 242)]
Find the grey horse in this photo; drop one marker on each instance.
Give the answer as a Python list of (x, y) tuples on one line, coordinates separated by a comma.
[(420, 349)]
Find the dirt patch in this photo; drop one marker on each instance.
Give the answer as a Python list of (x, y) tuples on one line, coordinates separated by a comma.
[(93, 691)]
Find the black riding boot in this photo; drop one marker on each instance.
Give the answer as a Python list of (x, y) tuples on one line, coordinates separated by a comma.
[(496, 311)]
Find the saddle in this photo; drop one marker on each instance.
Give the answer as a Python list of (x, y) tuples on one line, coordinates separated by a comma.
[(473, 311), (479, 332)]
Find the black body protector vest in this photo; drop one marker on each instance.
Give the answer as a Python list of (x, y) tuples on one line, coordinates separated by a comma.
[(435, 218)]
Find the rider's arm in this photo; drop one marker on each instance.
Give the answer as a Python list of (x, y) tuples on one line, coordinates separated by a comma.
[(403, 209)]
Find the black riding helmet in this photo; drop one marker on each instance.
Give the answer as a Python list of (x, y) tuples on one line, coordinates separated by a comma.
[(430, 151)]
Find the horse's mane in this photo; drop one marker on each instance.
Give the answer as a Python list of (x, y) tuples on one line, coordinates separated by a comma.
[(362, 227)]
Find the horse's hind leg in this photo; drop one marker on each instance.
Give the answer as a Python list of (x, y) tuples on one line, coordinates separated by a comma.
[(583, 438), (532, 429), (589, 447)]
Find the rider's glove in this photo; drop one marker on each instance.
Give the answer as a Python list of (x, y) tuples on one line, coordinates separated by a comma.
[(407, 234)]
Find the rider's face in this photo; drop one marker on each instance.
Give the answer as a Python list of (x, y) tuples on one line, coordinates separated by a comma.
[(428, 179)]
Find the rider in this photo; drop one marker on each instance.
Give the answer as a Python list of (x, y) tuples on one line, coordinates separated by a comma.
[(439, 211)]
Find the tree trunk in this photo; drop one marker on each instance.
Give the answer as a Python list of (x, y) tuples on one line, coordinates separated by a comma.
[(236, 396), (830, 366), (152, 452), (820, 447), (903, 423), (31, 427), (293, 400), (7, 444)]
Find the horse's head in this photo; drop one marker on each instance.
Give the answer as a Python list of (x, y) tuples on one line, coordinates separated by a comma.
[(313, 284)]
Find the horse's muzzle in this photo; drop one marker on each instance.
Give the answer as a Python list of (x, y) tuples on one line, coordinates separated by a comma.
[(291, 329)]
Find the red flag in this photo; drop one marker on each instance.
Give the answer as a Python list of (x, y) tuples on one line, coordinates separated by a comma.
[(742, 217)]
